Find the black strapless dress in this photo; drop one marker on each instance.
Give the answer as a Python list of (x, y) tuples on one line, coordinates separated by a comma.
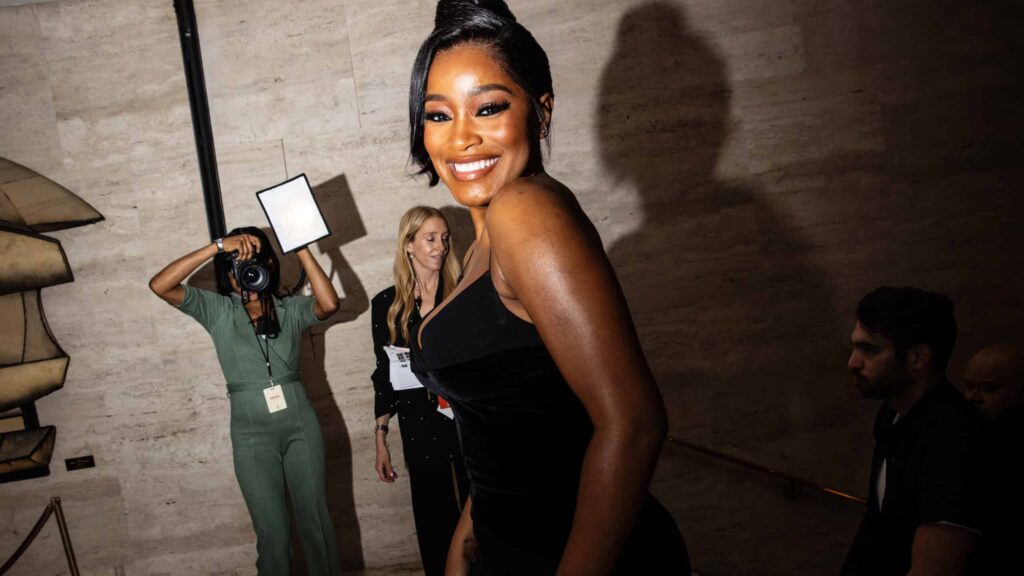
[(524, 434)]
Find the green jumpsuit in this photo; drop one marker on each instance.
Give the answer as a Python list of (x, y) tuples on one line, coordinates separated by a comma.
[(272, 451)]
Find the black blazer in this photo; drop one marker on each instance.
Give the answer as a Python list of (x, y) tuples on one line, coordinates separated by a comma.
[(428, 437)]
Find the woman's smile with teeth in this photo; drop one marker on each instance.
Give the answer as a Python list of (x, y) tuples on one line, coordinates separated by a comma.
[(463, 167)]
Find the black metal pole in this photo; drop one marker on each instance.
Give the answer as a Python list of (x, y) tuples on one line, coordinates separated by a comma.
[(201, 126)]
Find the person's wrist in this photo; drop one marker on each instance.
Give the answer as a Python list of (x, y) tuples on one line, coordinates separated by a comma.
[(381, 429), (219, 243)]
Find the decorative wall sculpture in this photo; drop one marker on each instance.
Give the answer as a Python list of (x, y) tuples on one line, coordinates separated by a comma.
[(32, 364), (32, 200)]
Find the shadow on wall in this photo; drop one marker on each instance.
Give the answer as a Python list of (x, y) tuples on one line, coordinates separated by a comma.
[(346, 225), (737, 323), (741, 327)]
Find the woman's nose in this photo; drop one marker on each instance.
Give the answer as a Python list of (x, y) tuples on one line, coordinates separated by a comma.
[(465, 135)]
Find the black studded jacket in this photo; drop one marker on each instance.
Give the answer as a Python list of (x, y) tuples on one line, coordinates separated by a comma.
[(428, 437)]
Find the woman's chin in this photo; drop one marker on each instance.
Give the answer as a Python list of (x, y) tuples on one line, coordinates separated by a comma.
[(471, 194)]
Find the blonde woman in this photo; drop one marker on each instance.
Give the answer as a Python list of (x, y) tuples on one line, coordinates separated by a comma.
[(424, 274)]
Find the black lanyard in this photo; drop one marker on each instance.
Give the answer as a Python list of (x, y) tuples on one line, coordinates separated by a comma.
[(265, 353)]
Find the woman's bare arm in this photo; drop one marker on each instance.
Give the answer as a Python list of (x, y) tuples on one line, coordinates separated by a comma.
[(547, 259), (323, 291), (940, 550), (167, 283), (462, 551)]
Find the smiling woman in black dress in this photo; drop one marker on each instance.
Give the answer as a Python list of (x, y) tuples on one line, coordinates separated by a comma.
[(560, 419)]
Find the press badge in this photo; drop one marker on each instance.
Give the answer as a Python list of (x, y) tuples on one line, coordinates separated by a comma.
[(400, 369), (275, 398)]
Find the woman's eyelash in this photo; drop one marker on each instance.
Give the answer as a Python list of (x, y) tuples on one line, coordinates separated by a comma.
[(492, 108), (489, 109)]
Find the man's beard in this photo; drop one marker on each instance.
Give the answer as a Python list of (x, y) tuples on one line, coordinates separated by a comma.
[(881, 389)]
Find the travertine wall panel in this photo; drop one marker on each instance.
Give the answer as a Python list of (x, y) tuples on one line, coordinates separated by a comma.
[(26, 101), (753, 168), (273, 70), (116, 81), (244, 170), (384, 37)]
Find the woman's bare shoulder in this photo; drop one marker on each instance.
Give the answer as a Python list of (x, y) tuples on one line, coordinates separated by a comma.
[(534, 203)]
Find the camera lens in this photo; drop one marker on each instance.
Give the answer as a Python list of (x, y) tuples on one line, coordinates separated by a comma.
[(254, 277)]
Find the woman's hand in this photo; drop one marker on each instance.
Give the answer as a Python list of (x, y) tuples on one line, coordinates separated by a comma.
[(462, 551), (246, 245), (385, 472)]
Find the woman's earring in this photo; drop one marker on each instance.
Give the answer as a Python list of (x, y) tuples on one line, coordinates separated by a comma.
[(543, 132)]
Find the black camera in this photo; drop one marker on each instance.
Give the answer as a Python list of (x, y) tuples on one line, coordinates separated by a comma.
[(251, 275)]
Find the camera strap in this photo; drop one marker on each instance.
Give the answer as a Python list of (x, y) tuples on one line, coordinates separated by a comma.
[(273, 394), (265, 353)]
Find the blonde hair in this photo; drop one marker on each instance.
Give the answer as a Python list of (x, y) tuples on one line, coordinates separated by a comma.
[(405, 276)]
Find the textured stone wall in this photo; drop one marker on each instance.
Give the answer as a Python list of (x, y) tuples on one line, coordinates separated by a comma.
[(753, 168)]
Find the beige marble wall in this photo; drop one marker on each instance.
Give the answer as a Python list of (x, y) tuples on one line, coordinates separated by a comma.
[(753, 168)]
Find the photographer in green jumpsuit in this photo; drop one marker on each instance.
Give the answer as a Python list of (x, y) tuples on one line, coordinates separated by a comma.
[(275, 435)]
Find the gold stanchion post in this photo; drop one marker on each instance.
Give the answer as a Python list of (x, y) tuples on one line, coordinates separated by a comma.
[(65, 536)]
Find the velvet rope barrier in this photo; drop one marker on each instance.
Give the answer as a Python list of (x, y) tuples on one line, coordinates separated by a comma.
[(52, 508)]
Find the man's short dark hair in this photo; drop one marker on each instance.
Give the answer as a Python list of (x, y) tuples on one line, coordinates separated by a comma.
[(911, 316)]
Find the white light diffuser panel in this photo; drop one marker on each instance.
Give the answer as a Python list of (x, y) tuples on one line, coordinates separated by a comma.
[(293, 213)]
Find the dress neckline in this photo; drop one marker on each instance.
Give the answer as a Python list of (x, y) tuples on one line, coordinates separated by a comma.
[(441, 306)]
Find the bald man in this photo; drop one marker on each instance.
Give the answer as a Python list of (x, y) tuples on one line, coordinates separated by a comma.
[(995, 383)]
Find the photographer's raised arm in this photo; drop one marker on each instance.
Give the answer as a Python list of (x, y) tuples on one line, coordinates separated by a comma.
[(324, 293), (167, 283)]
